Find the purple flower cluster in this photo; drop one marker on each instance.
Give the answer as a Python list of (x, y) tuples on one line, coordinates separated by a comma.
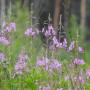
[(55, 65), (50, 31), (80, 50), (59, 44), (88, 73), (3, 24), (44, 88), (29, 32), (21, 64), (60, 89), (48, 65), (72, 46), (79, 61), (10, 27), (2, 56), (80, 79), (4, 40), (67, 78), (43, 63)]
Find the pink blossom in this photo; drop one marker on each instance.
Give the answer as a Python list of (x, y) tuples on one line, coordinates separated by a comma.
[(60, 89), (2, 56), (23, 57), (55, 41), (65, 43), (21, 64), (80, 50), (80, 79), (7, 63), (4, 40), (51, 29), (79, 61), (29, 32), (88, 72), (3, 24), (8, 29), (27, 70), (59, 45), (69, 88), (19, 72), (46, 88), (55, 65), (71, 47), (13, 26), (47, 33), (67, 78), (42, 62), (51, 47)]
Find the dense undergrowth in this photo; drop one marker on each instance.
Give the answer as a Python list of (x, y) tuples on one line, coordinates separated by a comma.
[(28, 64)]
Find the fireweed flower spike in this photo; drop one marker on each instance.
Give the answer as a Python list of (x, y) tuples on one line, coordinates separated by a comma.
[(59, 45), (71, 47), (46, 88), (66, 78), (69, 88), (29, 32), (51, 47), (55, 41), (2, 56), (80, 79), (3, 24), (4, 40), (43, 63), (51, 29), (7, 63), (64, 42), (47, 33), (60, 89), (9, 27), (80, 50), (55, 65), (78, 61), (88, 73), (13, 26), (47, 65), (21, 64)]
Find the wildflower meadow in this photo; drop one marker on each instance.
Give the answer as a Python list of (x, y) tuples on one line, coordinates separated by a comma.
[(29, 62)]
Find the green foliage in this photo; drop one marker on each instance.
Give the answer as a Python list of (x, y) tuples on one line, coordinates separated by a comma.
[(33, 47)]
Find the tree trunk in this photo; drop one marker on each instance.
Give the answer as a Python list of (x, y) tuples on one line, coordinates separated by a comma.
[(67, 13), (2, 11), (83, 13), (57, 13)]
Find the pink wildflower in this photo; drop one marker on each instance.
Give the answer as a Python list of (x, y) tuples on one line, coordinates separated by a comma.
[(71, 47), (80, 50), (79, 61), (2, 56), (29, 32)]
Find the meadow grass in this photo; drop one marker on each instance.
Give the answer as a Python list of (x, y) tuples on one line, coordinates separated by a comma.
[(28, 64)]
